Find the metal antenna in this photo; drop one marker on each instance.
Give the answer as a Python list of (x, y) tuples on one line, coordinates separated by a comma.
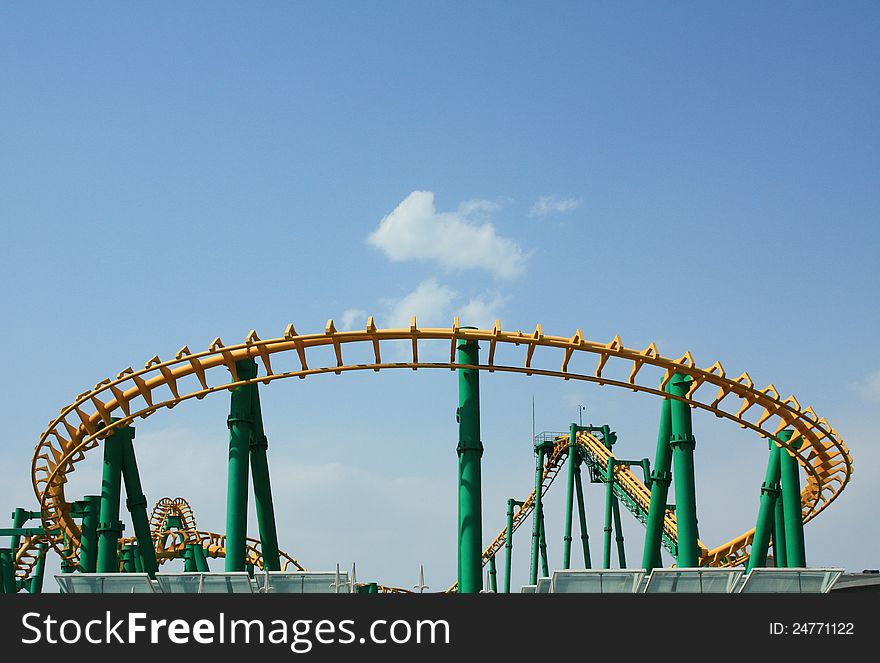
[(421, 587)]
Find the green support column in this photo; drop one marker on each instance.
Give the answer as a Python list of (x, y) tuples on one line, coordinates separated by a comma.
[(545, 567), (780, 559), (189, 561), (582, 516), (470, 451), (766, 508), (126, 557), (508, 543), (683, 444), (536, 514), (109, 526), (7, 571), (241, 426), (660, 480), (88, 544), (136, 503), (493, 576), (569, 497), (19, 518), (35, 582), (795, 552), (618, 530), (609, 500), (200, 559), (260, 476)]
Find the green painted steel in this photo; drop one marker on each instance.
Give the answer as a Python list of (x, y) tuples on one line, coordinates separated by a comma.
[(683, 444), (536, 514), (661, 477), (136, 503), (189, 561), (7, 571), (582, 514), (780, 559), (262, 486), (493, 575), (126, 558), (545, 566), (35, 582), (19, 518), (609, 499), (470, 452), (789, 470), (766, 507), (241, 425), (201, 560), (88, 544), (618, 530), (109, 526), (569, 497), (508, 543)]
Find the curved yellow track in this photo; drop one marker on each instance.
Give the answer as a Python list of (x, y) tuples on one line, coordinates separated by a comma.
[(80, 426)]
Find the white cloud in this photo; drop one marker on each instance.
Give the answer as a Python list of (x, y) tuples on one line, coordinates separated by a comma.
[(553, 204), (351, 317), (435, 305), (869, 388), (481, 311), (430, 302), (463, 239)]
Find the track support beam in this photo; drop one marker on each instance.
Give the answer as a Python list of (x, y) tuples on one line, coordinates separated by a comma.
[(767, 507), (470, 452), (683, 444), (582, 515), (661, 477), (569, 497), (791, 503), (109, 525)]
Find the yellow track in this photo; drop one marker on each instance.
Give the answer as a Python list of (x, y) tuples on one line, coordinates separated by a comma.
[(131, 394)]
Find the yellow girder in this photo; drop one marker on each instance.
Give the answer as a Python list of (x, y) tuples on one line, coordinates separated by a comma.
[(80, 425)]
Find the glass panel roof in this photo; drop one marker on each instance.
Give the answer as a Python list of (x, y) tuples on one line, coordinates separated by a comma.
[(694, 581), (236, 582), (597, 581), (527, 589), (795, 580), (543, 586), (303, 582), (105, 583)]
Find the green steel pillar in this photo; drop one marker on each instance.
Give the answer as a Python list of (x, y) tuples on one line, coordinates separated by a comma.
[(569, 498), (683, 444), (780, 559), (136, 503), (189, 561), (621, 552), (109, 526), (582, 515), (493, 575), (536, 514), (766, 507), (88, 543), (7, 571), (262, 485), (545, 567), (609, 500), (795, 552), (508, 543), (35, 583), (660, 480), (19, 518), (241, 426), (126, 557), (200, 560), (470, 451)]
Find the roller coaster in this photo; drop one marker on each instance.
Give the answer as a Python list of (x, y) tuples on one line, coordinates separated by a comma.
[(86, 533)]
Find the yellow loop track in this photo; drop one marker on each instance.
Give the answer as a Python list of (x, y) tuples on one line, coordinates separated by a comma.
[(131, 394)]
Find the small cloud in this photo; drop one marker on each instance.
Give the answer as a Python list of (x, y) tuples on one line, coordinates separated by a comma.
[(553, 204), (481, 311), (430, 302), (869, 388), (350, 317), (435, 304), (463, 239)]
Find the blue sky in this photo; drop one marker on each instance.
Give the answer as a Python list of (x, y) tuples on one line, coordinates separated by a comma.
[(702, 175)]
